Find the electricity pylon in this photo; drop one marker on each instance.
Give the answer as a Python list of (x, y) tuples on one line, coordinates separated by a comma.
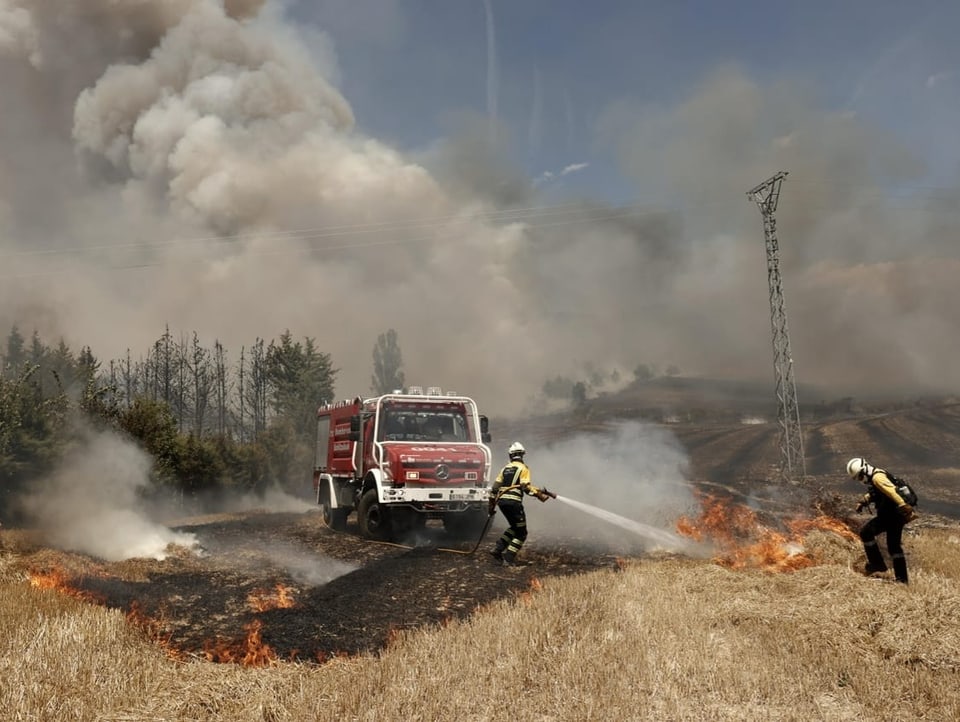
[(766, 195)]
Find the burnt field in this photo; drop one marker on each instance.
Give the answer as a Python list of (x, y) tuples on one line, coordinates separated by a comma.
[(264, 585), (285, 586)]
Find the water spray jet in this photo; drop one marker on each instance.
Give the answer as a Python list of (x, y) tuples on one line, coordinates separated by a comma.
[(665, 539)]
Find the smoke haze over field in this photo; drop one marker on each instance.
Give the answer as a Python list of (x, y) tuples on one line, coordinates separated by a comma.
[(634, 470), (199, 164), (91, 505)]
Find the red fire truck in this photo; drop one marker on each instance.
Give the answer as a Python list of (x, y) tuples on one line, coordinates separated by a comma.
[(401, 459)]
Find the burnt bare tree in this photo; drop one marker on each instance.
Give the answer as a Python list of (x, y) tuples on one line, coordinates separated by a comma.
[(127, 379), (242, 394), (181, 406), (220, 387), (162, 367), (199, 366), (255, 390)]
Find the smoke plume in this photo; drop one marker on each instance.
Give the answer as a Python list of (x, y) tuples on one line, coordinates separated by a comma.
[(91, 504), (633, 470), (193, 163)]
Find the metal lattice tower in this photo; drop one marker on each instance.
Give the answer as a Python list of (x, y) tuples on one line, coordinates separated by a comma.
[(766, 195)]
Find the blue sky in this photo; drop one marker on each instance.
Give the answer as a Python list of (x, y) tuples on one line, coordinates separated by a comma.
[(412, 68)]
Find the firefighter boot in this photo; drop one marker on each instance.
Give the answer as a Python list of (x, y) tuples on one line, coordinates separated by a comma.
[(510, 559), (900, 569), (497, 551), (875, 563)]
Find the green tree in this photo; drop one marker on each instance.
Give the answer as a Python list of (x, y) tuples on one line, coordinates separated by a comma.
[(15, 356), (199, 464), (32, 432), (579, 393), (387, 364), (299, 377), (643, 372), (63, 366), (559, 387), (152, 424)]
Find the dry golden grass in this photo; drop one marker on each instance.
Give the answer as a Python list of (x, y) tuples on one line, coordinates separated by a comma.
[(661, 639)]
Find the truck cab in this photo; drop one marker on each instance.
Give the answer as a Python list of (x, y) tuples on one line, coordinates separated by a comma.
[(400, 459)]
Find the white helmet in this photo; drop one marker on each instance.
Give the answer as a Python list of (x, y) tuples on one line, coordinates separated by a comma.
[(856, 467), (516, 449)]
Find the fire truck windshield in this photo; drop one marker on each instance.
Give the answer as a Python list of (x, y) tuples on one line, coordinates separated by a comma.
[(399, 423)]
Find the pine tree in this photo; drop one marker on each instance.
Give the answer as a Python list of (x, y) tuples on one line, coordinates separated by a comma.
[(387, 364)]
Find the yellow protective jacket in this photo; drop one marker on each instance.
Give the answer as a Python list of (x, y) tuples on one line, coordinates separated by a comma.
[(513, 482), (882, 491)]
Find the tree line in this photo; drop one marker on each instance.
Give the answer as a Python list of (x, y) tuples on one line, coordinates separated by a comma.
[(210, 423), (214, 423)]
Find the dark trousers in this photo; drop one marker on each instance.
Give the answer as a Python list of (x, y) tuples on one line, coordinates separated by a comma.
[(512, 539), (890, 523)]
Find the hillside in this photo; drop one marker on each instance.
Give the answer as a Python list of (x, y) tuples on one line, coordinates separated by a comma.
[(729, 432)]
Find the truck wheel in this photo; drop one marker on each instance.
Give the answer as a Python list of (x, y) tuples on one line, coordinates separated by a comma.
[(336, 519), (372, 517)]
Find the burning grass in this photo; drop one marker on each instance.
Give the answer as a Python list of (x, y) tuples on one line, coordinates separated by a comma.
[(744, 541)]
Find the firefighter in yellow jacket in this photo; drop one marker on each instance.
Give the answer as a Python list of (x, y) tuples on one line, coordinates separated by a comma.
[(893, 513), (512, 483)]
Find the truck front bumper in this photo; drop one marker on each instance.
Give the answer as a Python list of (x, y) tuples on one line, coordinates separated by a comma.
[(456, 497)]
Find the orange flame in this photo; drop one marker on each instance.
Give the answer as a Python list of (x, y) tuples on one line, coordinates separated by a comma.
[(250, 652), (745, 542), (262, 600), (153, 628), (58, 580)]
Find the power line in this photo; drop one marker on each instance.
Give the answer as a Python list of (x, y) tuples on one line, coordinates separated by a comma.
[(628, 211), (318, 232), (534, 217)]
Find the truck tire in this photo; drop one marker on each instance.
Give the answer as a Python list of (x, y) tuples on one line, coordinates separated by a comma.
[(336, 519), (372, 517)]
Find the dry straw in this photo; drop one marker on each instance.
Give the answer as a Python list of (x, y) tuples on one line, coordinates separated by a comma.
[(657, 639)]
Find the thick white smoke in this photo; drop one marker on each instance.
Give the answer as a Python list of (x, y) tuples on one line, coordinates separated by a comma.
[(192, 163), (91, 503), (633, 469)]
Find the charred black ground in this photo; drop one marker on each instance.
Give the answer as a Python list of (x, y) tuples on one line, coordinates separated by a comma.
[(198, 602)]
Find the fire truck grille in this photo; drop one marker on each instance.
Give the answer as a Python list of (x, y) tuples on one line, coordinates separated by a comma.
[(434, 473)]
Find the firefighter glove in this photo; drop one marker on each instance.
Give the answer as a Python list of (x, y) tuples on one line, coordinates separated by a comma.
[(907, 512), (492, 505), (542, 495)]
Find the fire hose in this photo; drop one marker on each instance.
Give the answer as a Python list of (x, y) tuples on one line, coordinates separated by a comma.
[(542, 495)]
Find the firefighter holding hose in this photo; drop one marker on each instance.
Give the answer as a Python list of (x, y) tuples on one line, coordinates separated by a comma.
[(512, 483)]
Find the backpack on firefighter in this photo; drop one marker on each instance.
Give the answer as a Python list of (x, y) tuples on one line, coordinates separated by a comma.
[(906, 492), (904, 489)]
